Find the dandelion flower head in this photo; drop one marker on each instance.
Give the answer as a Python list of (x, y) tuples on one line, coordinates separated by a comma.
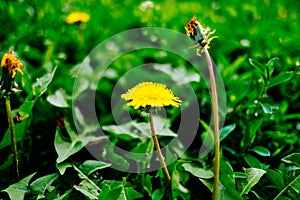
[(11, 63), (77, 17), (200, 35), (150, 94)]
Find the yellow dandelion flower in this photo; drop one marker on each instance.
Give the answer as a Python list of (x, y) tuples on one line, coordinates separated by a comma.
[(12, 64), (150, 94), (77, 17)]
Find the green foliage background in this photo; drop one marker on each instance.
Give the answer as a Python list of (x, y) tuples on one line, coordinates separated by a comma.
[(257, 53)]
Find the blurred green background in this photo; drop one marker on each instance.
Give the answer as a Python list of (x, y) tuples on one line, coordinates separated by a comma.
[(258, 29)]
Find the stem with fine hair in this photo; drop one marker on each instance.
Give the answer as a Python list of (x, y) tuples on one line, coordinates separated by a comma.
[(12, 137), (216, 123), (157, 147)]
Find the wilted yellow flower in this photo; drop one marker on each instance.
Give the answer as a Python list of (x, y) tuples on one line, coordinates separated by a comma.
[(10, 65), (77, 17), (190, 29), (150, 94), (200, 35)]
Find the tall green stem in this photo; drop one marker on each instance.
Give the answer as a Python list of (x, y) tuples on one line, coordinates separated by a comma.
[(216, 123), (12, 137), (157, 147)]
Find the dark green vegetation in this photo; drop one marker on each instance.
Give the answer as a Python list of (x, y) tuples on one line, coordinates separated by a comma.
[(257, 53)]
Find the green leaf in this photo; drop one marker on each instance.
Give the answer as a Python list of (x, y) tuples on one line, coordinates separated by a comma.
[(270, 65), (158, 194), (178, 189), (273, 60), (141, 130), (116, 159), (142, 152), (64, 148), (253, 129), (283, 169), (64, 196), (224, 193), (259, 67), (227, 182), (281, 78), (177, 73), (254, 176), (90, 166), (62, 167), (147, 184), (197, 171), (266, 108), (226, 130), (250, 134), (25, 111), (111, 190), (240, 175), (130, 193), (294, 183), (58, 99), (67, 147), (207, 137), (276, 178), (293, 158), (209, 184), (86, 188), (7, 162), (170, 157), (83, 84), (117, 191), (42, 83), (79, 116), (41, 184), (262, 151), (252, 161), (17, 191)]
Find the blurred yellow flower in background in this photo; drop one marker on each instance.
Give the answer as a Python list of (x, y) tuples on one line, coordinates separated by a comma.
[(77, 17), (150, 94)]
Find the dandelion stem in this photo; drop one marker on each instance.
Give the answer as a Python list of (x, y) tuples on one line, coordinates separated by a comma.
[(157, 147), (216, 123), (12, 137)]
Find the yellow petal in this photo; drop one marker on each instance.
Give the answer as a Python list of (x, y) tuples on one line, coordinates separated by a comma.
[(150, 94)]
